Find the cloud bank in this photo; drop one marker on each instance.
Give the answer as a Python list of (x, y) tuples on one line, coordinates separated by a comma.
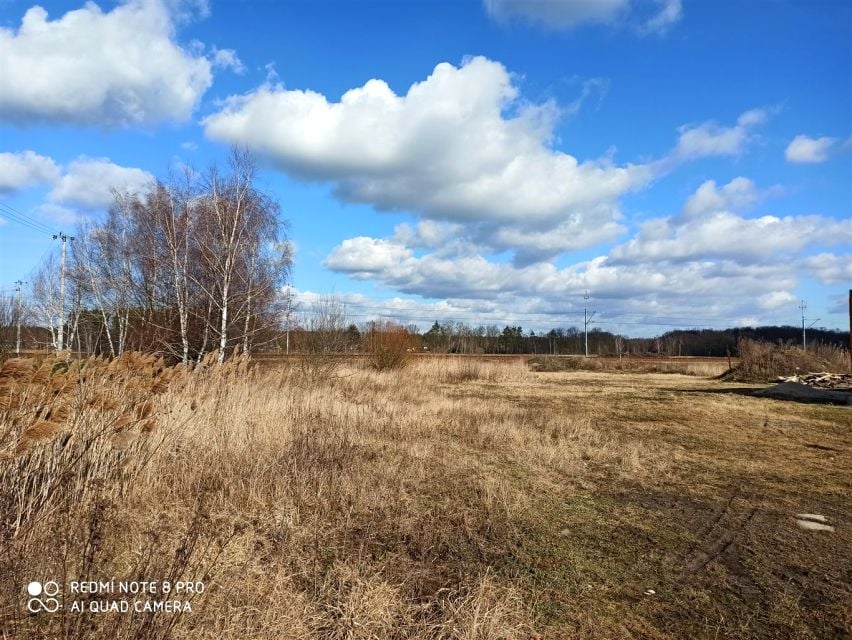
[(707, 256)]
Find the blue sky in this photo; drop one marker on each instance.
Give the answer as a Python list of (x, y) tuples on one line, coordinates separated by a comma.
[(687, 163)]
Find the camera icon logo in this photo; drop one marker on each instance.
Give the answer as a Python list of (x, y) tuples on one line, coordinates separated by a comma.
[(43, 597)]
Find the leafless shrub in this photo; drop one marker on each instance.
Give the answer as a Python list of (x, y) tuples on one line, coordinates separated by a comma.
[(389, 346), (836, 357), (323, 343)]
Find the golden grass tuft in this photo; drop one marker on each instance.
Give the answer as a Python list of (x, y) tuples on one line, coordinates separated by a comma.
[(43, 430), (16, 369), (59, 414), (121, 422), (123, 439), (42, 375), (144, 410)]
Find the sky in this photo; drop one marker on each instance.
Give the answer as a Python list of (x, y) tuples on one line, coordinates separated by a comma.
[(665, 163)]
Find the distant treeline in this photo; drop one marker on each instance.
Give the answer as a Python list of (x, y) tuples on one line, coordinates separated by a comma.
[(260, 319), (454, 337), (325, 330), (721, 342)]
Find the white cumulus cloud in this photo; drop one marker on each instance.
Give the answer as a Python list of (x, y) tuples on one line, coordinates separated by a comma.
[(739, 193), (89, 66), (830, 268), (776, 300), (460, 147), (89, 182), (806, 150), (362, 256), (84, 182), (713, 139), (25, 169), (724, 235)]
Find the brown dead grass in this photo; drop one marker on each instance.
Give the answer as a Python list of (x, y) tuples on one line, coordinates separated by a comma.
[(446, 500), (688, 366)]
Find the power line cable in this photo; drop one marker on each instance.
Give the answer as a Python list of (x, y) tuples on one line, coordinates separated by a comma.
[(46, 251), (10, 213), (20, 213), (23, 223)]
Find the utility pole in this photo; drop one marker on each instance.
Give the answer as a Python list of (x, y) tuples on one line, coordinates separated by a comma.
[(19, 289), (288, 329), (850, 330), (61, 342), (803, 306), (587, 319), (289, 296)]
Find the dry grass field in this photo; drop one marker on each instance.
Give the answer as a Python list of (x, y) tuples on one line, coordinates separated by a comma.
[(453, 499)]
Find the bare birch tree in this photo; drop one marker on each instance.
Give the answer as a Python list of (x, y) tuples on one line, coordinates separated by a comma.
[(47, 307), (190, 265), (240, 222)]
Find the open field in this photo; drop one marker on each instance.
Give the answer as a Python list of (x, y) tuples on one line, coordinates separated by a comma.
[(687, 365), (456, 498)]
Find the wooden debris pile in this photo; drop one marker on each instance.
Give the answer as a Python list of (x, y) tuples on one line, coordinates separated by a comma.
[(821, 380)]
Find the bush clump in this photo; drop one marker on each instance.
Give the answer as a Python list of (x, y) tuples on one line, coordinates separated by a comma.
[(389, 347), (765, 361)]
